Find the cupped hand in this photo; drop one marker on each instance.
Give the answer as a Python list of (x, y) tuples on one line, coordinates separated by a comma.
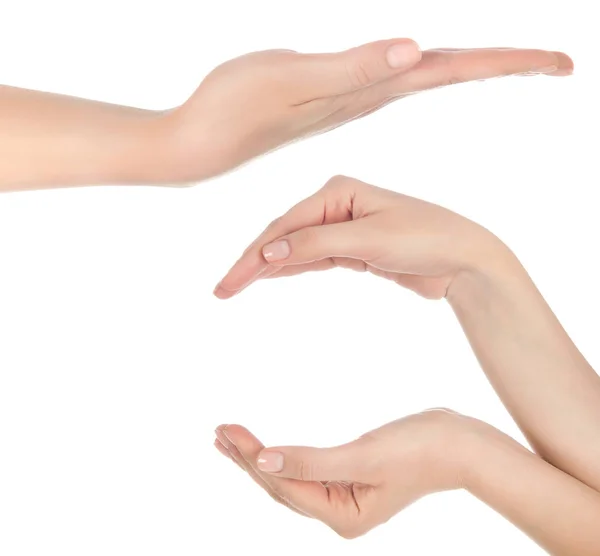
[(260, 101), (357, 486), (354, 225)]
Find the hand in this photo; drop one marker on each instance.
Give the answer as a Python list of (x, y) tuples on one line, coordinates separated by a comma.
[(351, 224), (357, 486), (244, 108), (263, 100)]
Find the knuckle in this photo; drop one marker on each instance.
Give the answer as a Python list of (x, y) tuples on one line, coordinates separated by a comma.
[(441, 411), (305, 471), (442, 417), (307, 235), (446, 66), (358, 74), (274, 224), (337, 182), (348, 532)]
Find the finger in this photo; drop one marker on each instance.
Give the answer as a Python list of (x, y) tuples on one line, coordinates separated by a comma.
[(486, 48), (354, 240), (317, 266), (224, 451), (442, 67), (326, 75), (565, 65), (219, 446), (308, 497), (306, 213), (224, 445), (332, 203), (345, 463)]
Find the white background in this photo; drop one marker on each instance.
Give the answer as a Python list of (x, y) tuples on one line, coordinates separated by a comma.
[(116, 363)]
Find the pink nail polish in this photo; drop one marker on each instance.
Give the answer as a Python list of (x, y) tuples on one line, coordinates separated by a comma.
[(271, 462), (403, 55), (276, 251)]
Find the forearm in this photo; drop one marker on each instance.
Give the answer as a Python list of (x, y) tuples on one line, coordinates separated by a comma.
[(541, 377), (557, 511), (49, 140)]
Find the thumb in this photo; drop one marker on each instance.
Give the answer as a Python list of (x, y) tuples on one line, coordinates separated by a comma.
[(341, 463), (351, 239), (359, 67)]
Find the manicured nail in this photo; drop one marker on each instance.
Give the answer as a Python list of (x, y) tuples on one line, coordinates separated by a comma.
[(271, 462), (276, 251), (403, 55)]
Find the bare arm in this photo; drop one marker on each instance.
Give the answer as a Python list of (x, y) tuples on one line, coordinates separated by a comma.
[(51, 140), (244, 108), (374, 477), (544, 381), (557, 511)]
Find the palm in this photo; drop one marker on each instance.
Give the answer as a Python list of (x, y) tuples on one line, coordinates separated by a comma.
[(345, 506)]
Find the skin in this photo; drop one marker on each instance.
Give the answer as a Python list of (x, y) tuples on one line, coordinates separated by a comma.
[(553, 493), (244, 108)]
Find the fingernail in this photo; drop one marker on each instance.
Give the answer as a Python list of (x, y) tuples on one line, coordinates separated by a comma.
[(276, 251), (546, 69), (403, 55), (271, 462)]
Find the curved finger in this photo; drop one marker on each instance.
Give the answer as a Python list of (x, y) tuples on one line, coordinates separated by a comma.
[(306, 213), (223, 444), (355, 239), (308, 497), (330, 204)]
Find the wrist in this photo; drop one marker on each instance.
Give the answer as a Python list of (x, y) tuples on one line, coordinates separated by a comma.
[(486, 453), (190, 152), (450, 437), (154, 160), (493, 269)]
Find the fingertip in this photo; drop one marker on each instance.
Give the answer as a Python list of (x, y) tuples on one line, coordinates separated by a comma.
[(232, 432), (225, 289), (222, 448), (565, 65), (221, 293)]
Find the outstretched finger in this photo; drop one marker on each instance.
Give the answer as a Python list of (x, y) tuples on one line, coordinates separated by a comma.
[(438, 68)]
